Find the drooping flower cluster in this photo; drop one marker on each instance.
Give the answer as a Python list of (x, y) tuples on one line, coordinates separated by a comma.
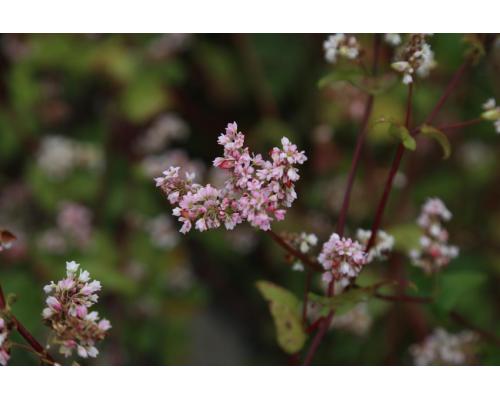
[(74, 228), (342, 259), (415, 57), (67, 313), (382, 246), (444, 348), (394, 39), (434, 252), (492, 113), (257, 190), (4, 345), (58, 156), (341, 45)]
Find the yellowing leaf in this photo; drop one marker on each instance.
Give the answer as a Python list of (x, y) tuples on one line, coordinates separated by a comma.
[(399, 132), (285, 310)]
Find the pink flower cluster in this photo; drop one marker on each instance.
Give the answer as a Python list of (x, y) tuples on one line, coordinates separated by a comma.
[(257, 190), (434, 252), (4, 350), (67, 313), (342, 258)]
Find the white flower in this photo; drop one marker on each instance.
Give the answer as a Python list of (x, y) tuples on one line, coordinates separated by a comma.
[(341, 44), (71, 267), (394, 39)]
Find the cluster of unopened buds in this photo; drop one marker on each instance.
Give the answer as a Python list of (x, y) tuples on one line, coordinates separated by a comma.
[(343, 45), (257, 190), (492, 113), (67, 313), (382, 245), (415, 57), (342, 258), (444, 348), (4, 344), (434, 252)]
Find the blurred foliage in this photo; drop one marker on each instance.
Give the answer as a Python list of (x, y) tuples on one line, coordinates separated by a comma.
[(193, 299)]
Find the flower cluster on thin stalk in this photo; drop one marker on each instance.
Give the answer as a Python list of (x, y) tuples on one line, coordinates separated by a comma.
[(492, 113), (381, 247), (434, 253), (341, 45), (414, 57), (444, 348), (304, 242), (68, 314), (4, 343), (256, 190), (342, 258)]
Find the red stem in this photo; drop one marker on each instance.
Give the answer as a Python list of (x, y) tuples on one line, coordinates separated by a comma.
[(27, 336), (462, 124)]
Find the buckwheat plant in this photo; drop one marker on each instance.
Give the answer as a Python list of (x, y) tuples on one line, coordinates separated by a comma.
[(68, 314), (260, 191), (492, 113)]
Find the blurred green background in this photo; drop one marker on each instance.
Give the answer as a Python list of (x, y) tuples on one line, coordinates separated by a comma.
[(86, 122)]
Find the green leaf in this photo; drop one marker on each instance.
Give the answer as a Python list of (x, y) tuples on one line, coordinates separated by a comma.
[(346, 300), (439, 136), (406, 236), (399, 132), (456, 285), (369, 84), (285, 310)]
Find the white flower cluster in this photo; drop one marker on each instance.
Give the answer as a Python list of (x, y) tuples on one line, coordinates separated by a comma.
[(342, 259), (357, 320), (67, 313), (58, 156), (492, 113), (304, 242), (382, 246), (416, 57), (4, 345), (394, 39), (341, 45), (166, 128), (444, 348), (74, 228), (434, 252)]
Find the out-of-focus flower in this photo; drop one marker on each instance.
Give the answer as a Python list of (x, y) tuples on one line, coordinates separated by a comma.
[(342, 259), (443, 348), (168, 44), (154, 165), (162, 232), (7, 239), (492, 113), (256, 190), (303, 242), (4, 344), (382, 246), (434, 252), (75, 220), (67, 313), (52, 241), (58, 156), (357, 320), (394, 39), (415, 57), (166, 128), (341, 44)]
